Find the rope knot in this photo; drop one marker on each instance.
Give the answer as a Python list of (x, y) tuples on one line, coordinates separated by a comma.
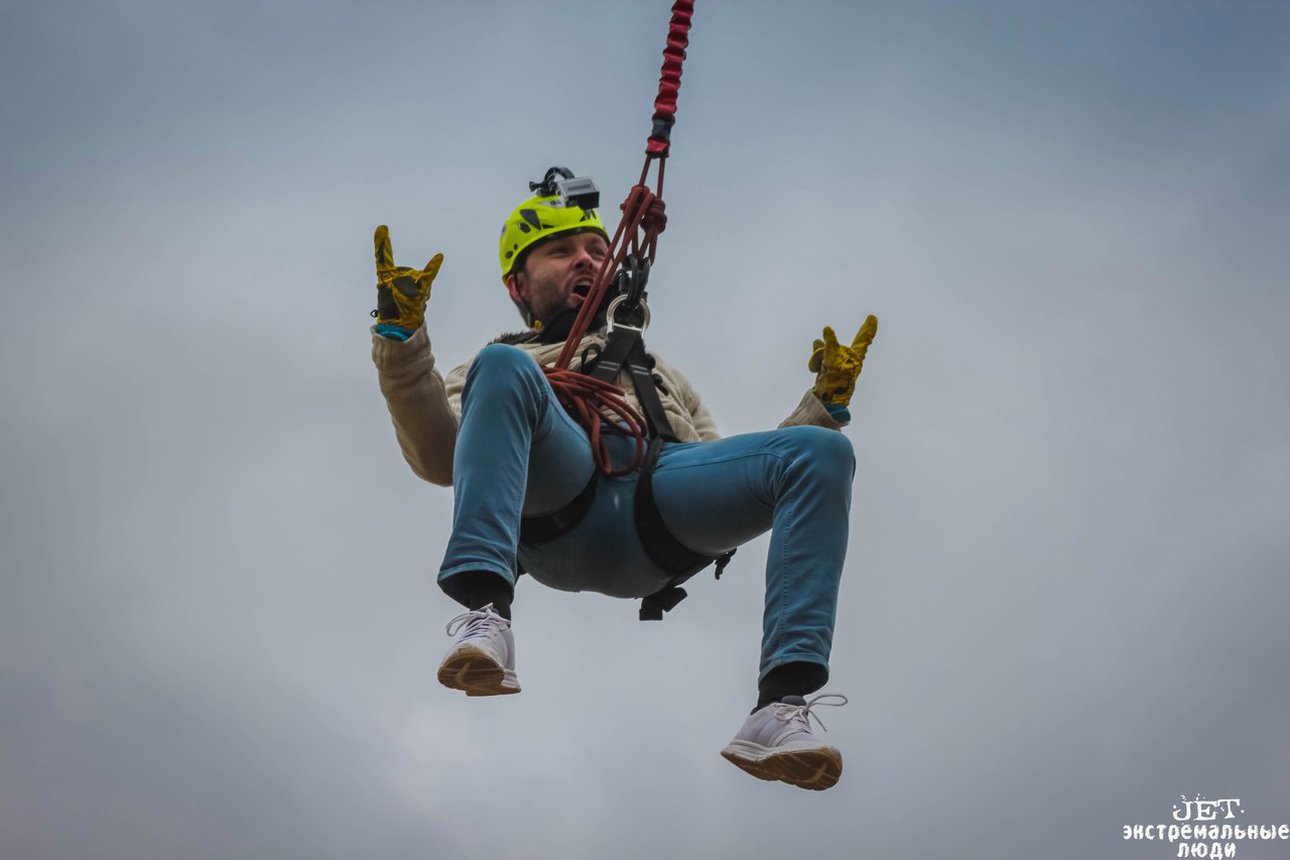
[(655, 220), (647, 209)]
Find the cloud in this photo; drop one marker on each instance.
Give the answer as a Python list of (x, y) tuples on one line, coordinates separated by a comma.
[(1060, 607)]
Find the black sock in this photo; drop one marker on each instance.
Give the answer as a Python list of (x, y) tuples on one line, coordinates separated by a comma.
[(475, 589), (790, 679)]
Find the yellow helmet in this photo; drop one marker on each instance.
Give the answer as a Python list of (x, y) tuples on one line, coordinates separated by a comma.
[(541, 218)]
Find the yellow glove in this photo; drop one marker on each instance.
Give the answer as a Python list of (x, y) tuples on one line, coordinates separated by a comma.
[(836, 367), (401, 292)]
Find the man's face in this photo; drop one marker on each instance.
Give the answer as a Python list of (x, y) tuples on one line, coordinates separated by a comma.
[(558, 273)]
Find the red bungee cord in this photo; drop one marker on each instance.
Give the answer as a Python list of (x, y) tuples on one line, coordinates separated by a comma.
[(596, 405)]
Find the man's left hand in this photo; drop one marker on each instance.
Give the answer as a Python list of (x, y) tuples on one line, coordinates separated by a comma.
[(836, 366)]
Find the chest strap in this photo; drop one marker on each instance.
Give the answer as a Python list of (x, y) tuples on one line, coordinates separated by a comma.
[(625, 348)]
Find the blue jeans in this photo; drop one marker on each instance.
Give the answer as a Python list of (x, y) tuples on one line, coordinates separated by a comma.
[(520, 454)]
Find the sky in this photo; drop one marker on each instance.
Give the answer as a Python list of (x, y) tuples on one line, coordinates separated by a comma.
[(1062, 611)]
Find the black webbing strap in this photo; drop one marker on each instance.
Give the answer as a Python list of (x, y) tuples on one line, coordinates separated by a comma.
[(661, 545), (625, 347), (618, 346), (545, 527)]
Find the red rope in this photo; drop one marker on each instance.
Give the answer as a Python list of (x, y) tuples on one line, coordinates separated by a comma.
[(600, 406)]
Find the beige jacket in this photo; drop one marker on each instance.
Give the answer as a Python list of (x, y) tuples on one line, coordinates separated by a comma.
[(426, 406)]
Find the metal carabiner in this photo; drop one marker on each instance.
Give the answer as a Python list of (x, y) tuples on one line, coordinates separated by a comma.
[(617, 302), (631, 279)]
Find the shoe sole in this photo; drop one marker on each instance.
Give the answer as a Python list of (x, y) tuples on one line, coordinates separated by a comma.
[(813, 769), (477, 674)]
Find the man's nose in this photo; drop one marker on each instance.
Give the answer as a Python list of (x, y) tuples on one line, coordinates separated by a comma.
[(582, 259)]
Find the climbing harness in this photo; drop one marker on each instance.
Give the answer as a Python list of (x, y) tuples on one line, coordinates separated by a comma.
[(589, 393)]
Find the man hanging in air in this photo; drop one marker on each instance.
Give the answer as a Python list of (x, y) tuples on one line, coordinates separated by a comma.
[(528, 495)]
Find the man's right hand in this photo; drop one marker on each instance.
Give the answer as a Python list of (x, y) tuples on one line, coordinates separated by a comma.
[(401, 292)]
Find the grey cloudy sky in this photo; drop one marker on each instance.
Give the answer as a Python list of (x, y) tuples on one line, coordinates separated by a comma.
[(1063, 606)]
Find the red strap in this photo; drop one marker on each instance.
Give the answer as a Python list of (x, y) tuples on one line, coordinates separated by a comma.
[(669, 82)]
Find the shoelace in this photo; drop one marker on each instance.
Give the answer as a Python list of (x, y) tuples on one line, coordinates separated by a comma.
[(803, 713), (476, 620)]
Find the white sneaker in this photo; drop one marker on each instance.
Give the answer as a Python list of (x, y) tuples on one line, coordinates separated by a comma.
[(776, 742), (482, 660)]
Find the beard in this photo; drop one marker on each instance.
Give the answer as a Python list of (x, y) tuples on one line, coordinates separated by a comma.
[(558, 327)]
